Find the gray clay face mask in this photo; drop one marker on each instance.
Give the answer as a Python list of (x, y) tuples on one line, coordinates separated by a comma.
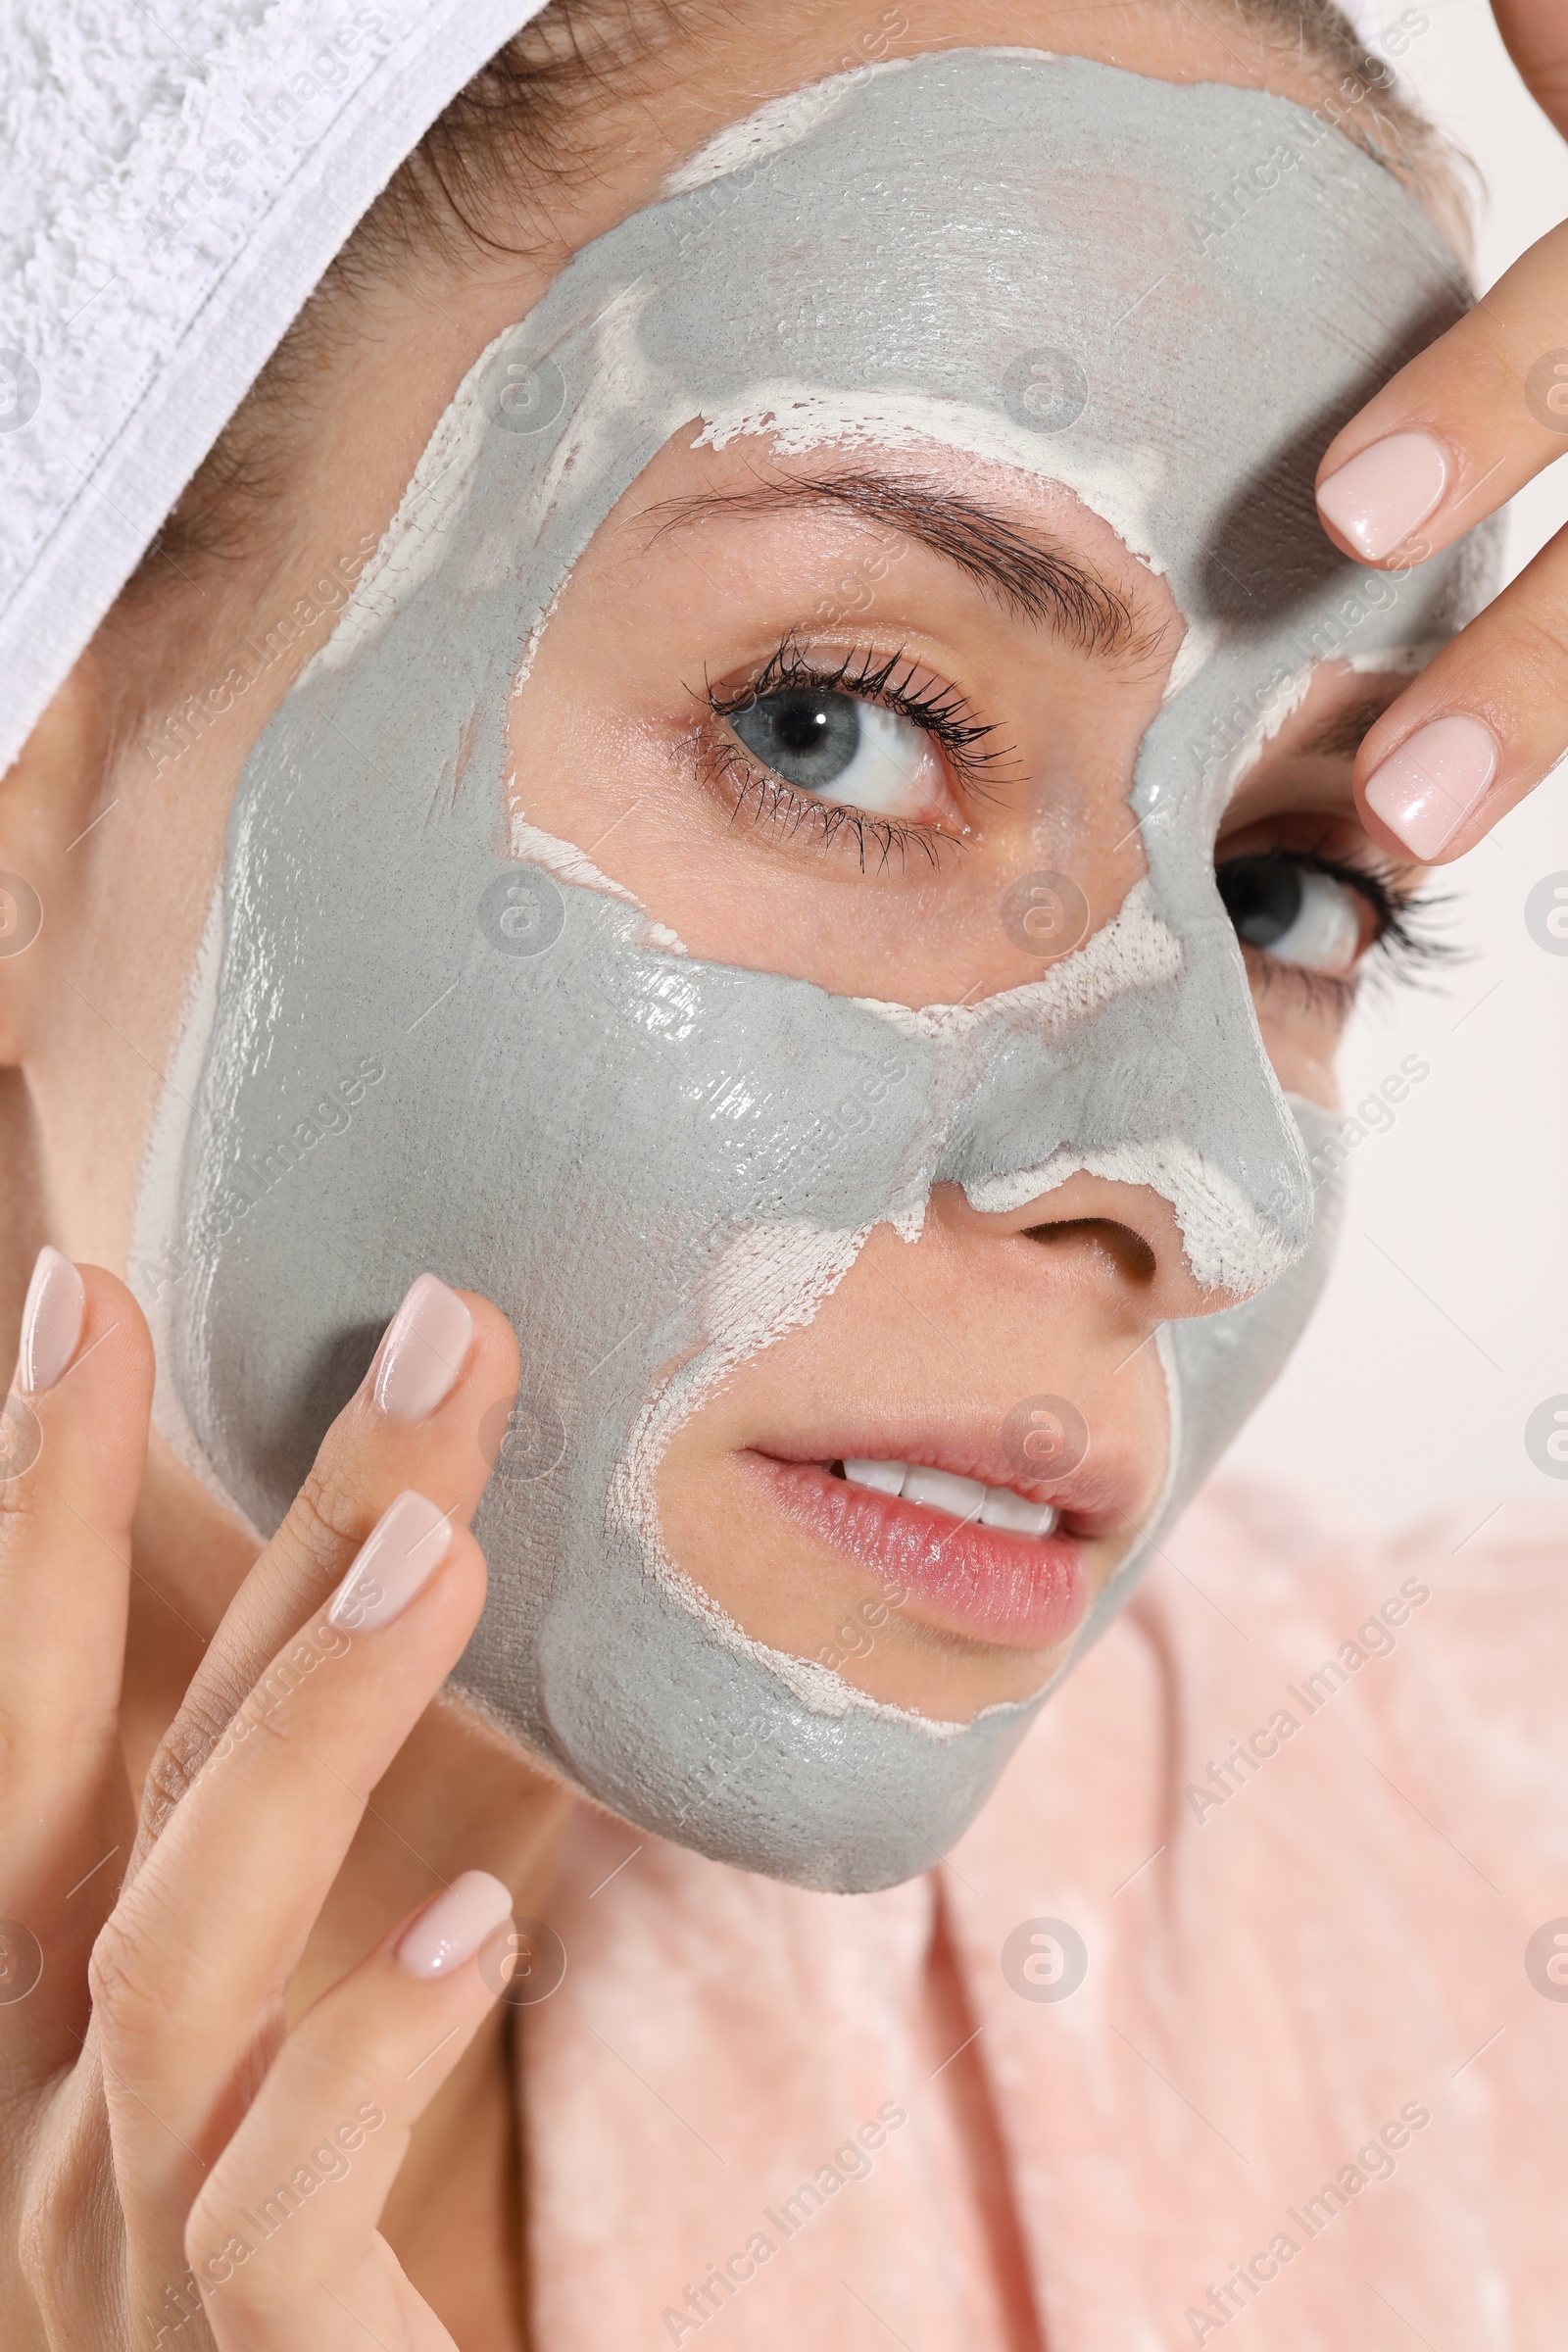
[(424, 1035)]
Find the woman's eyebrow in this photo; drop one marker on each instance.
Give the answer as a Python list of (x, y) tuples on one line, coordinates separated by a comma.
[(1032, 577)]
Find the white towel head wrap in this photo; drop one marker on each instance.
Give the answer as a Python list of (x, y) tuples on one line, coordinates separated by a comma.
[(171, 187)]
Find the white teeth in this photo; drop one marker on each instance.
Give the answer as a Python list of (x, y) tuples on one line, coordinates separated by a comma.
[(959, 1498), (887, 1477), (962, 1497), (1004, 1509)]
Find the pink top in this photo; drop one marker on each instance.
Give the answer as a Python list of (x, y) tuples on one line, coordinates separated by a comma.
[(1311, 2064)]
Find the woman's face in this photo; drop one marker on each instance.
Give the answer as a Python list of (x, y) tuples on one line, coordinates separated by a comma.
[(826, 719), (833, 719)]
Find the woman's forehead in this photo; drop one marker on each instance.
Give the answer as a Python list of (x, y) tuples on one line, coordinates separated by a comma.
[(1038, 265)]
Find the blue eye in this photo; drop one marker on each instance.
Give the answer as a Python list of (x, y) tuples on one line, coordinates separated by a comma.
[(806, 736), (1294, 911), (842, 748)]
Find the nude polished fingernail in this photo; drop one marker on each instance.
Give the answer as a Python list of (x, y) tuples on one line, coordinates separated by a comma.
[(1379, 498), (424, 1351), (407, 1544), (1425, 790), (51, 1322), (455, 1925)]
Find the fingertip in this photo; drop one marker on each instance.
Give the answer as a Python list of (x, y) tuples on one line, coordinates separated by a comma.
[(51, 1319), (76, 1312), (464, 1559), (453, 1929), (439, 1340), (83, 1384), (497, 1333), (1373, 504), (115, 1337), (1425, 792)]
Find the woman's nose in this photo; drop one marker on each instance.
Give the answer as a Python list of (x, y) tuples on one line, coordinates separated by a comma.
[(1126, 1236)]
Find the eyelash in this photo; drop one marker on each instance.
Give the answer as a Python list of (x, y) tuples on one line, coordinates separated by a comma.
[(942, 712), (1404, 950), (1406, 943)]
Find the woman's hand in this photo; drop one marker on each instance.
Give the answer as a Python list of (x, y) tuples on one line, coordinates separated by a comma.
[(177, 2167), (1447, 441)]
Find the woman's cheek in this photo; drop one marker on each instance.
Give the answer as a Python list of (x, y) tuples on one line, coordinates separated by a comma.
[(1303, 1044)]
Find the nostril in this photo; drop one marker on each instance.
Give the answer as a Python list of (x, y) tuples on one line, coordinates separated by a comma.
[(1132, 1253)]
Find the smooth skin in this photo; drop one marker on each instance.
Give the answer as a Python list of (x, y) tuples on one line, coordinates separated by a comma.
[(211, 2014)]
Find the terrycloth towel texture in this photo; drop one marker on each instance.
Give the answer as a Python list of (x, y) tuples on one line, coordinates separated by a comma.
[(1317, 2060), (173, 180)]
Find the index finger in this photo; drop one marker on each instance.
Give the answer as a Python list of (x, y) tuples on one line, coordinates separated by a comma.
[(446, 1362), (1461, 427)]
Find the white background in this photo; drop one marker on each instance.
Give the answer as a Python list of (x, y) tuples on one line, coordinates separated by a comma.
[(1446, 1320)]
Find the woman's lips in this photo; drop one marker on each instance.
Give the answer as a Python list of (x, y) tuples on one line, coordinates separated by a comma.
[(1028, 1591)]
